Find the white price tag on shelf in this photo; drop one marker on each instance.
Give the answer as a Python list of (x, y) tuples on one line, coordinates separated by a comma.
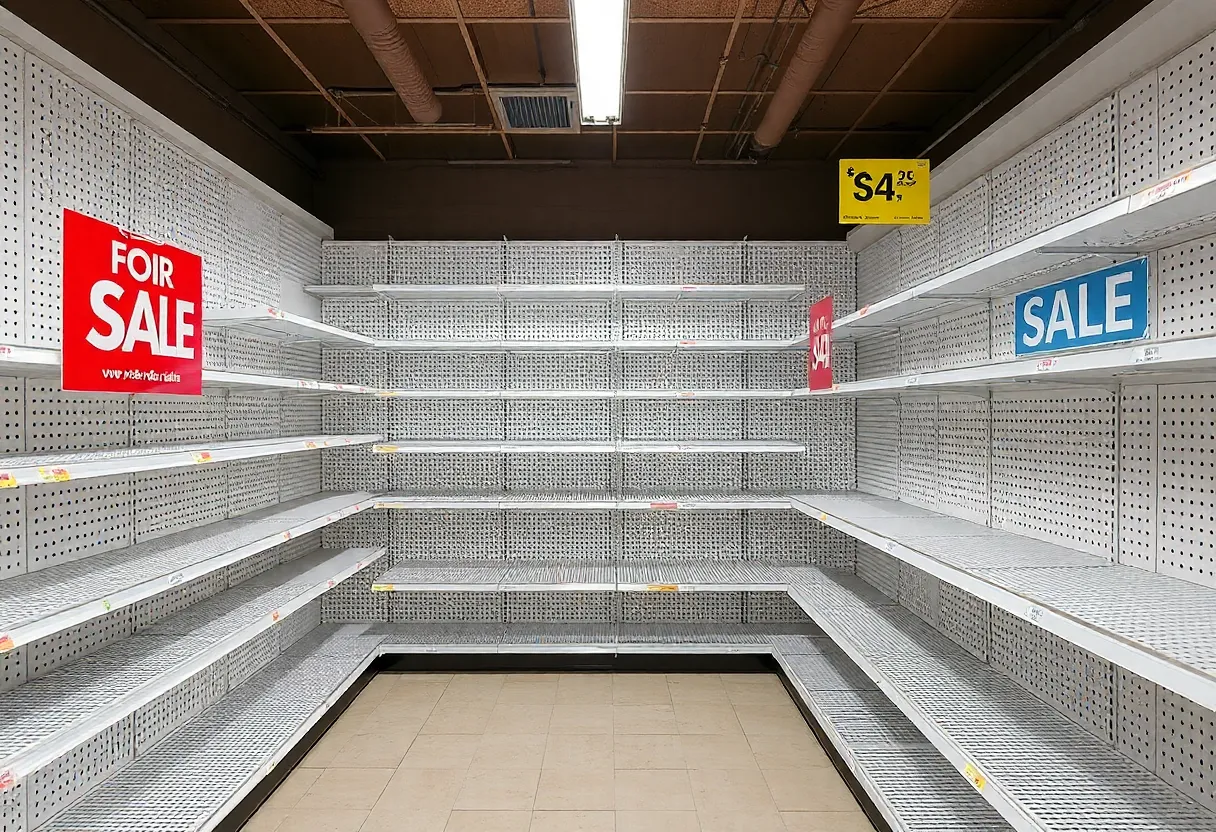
[(176, 579), (201, 457), (1045, 365), (911, 381), (1035, 613), (1147, 354), (54, 474)]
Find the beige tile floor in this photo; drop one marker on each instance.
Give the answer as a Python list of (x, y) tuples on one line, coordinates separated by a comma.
[(566, 752)]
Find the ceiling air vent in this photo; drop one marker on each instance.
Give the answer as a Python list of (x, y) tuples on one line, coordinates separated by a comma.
[(537, 109)]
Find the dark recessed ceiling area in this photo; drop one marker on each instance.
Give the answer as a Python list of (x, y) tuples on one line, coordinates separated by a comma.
[(699, 73)]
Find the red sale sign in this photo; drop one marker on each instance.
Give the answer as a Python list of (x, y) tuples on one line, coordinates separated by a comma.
[(132, 312), (819, 360)]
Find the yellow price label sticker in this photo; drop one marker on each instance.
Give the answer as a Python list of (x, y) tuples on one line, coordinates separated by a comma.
[(54, 474), (202, 457), (105, 605), (384, 449), (975, 777), (823, 517), (6, 643), (7, 480), (884, 191), (382, 587), (663, 588)]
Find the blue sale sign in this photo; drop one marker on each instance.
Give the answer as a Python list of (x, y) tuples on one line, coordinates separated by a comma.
[(1101, 307)]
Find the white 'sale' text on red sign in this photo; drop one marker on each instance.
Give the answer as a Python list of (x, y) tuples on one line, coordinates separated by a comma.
[(132, 312), (819, 359)]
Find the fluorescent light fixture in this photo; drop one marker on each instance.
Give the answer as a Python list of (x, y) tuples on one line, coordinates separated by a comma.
[(600, 30)]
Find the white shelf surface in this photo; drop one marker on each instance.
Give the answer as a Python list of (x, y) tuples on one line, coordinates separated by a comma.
[(38, 604), (1037, 768), (577, 575), (562, 291), (545, 395), (193, 778), (1154, 625), (269, 322), (35, 469), (51, 715), (1156, 217), (494, 446), (584, 501), (1149, 362), (593, 345)]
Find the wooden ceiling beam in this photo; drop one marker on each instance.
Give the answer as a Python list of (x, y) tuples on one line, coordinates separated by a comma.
[(451, 93), (491, 129), (481, 77), (722, 62), (476, 21)]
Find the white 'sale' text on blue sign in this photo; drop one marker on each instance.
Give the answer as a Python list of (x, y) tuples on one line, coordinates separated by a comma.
[(1097, 308)]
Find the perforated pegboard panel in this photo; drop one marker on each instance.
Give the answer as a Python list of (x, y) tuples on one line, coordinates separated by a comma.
[(77, 154), (446, 262), (252, 656), (448, 473), (438, 419), (963, 225), (682, 420), (684, 371), (964, 618), (169, 501), (683, 473), (254, 417), (355, 414), (783, 536), (58, 420), (12, 809), (12, 533), (1001, 313), (1186, 495), (150, 610), (203, 226), (357, 469), (918, 257), (249, 354), (1016, 649), (775, 319), (1136, 715), (252, 269), (354, 263), (366, 367), (559, 371), (777, 473), (299, 475), (878, 269), (446, 534), (301, 416), (1066, 173), (12, 196), (1138, 134), (920, 592), (878, 425), (65, 646), (157, 420), (919, 348), (547, 607), (644, 320), (155, 166), (440, 319), (824, 268), (963, 338), (587, 535), (299, 624), (772, 608), (878, 356), (560, 421), (57, 784), (367, 528), (299, 253), (366, 316), (1186, 746), (159, 717), (682, 262), (12, 670), (1138, 446), (878, 569), (215, 348), (1185, 296), (302, 360), (1187, 120), (252, 484), (68, 521), (408, 607), (775, 370), (674, 534), (1053, 467), (654, 607), (963, 446), (562, 262)]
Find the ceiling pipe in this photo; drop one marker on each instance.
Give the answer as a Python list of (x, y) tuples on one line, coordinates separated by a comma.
[(377, 25), (829, 20)]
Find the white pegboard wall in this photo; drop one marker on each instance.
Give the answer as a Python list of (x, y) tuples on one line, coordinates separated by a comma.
[(826, 268), (919, 348), (58, 420), (679, 421), (964, 338), (12, 196), (963, 221), (558, 472), (437, 320), (354, 263), (251, 269), (1138, 476), (1187, 121), (963, 448), (562, 262), (878, 424), (441, 535), (878, 569), (878, 356), (918, 451), (366, 367), (878, 268), (558, 421), (702, 534), (428, 262), (548, 607), (776, 320), (58, 649), (588, 535), (54, 786), (918, 258), (299, 475), (1185, 290), (420, 419), (418, 607), (169, 501), (1139, 137), (442, 473), (164, 419), (554, 371), (654, 607), (685, 370), (683, 473), (252, 484), (644, 320), (1186, 488), (659, 263), (68, 521)]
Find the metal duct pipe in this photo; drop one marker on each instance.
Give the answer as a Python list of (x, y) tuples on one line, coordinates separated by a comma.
[(377, 25), (829, 19)]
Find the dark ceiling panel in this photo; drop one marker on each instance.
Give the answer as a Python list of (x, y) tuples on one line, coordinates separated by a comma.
[(337, 147), (298, 8), (898, 111), (875, 55), (664, 112), (508, 53), (244, 56), (805, 147), (881, 146), (1022, 8), (555, 146), (828, 112), (419, 8), (655, 147), (727, 107), (441, 51), (665, 56), (493, 8), (753, 47), (963, 55), (191, 8), (907, 8), (450, 148), (335, 54), (557, 47), (296, 111), (682, 8)]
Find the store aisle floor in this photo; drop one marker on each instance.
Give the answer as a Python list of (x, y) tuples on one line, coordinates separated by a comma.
[(566, 752)]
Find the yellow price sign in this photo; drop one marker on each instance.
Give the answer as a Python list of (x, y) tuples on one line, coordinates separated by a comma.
[(884, 191), (975, 777)]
